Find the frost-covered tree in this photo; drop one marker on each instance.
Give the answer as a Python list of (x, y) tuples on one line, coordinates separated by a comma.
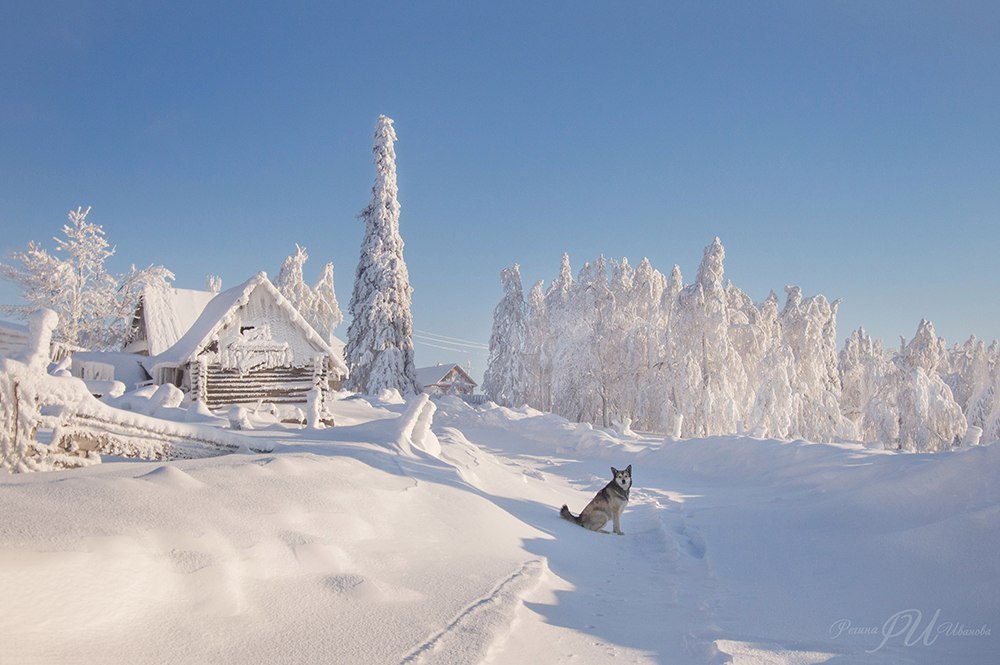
[(292, 284), (94, 306), (537, 352), (641, 401), (326, 314), (213, 283), (914, 408), (809, 328), (504, 380), (863, 367), (712, 376), (317, 305), (379, 349), (583, 320)]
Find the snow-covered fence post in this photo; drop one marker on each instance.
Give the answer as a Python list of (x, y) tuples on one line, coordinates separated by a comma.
[(12, 448), (316, 397), (19, 396), (200, 380)]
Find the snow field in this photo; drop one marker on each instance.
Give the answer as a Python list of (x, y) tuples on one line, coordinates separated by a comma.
[(341, 546)]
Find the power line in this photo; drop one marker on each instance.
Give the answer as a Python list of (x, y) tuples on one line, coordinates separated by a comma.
[(450, 340), (446, 348)]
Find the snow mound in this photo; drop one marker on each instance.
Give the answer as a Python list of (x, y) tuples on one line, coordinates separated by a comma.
[(172, 478)]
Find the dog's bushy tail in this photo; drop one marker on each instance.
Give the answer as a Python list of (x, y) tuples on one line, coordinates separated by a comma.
[(566, 515)]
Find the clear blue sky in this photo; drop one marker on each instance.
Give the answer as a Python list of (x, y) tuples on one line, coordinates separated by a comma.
[(852, 148)]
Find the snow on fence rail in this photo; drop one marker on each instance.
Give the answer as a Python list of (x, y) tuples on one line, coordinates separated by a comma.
[(53, 422)]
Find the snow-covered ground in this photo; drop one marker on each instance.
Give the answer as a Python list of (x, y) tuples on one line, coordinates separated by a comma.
[(375, 542)]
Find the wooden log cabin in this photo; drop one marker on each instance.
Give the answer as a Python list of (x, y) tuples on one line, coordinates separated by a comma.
[(249, 345)]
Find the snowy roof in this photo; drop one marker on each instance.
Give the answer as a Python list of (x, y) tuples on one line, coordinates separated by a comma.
[(128, 366), (169, 313), (220, 311), (428, 376)]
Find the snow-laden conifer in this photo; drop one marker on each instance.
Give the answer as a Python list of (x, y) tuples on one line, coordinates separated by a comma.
[(504, 380), (914, 408), (537, 353), (326, 314), (291, 283), (379, 348)]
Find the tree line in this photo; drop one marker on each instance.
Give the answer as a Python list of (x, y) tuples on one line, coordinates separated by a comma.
[(634, 347)]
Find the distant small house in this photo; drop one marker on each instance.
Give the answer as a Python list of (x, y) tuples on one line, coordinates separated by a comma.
[(248, 344), (445, 380)]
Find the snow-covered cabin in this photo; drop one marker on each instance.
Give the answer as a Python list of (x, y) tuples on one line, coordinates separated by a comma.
[(249, 344), (445, 379), (163, 316)]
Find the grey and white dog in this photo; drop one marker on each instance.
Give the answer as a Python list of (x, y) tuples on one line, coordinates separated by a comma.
[(607, 505)]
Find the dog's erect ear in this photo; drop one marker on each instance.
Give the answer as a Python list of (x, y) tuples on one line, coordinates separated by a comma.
[(629, 469), (614, 472)]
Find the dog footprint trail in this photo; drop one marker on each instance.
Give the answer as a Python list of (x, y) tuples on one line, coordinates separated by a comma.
[(674, 554)]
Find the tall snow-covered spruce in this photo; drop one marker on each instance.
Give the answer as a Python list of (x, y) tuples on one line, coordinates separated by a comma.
[(504, 379), (379, 349)]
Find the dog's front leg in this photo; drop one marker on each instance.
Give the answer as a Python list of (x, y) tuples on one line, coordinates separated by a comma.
[(618, 525)]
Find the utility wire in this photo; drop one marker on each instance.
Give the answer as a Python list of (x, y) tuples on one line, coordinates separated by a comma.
[(450, 340)]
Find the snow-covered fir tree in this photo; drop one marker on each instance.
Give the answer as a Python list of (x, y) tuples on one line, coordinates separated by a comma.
[(317, 305), (326, 314), (536, 355), (504, 380), (292, 284), (913, 408), (379, 348), (94, 306)]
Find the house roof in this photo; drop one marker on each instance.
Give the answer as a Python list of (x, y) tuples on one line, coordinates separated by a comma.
[(169, 313), (428, 376), (220, 311), (128, 366)]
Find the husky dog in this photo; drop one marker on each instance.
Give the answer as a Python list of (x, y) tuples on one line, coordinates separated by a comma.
[(607, 505)]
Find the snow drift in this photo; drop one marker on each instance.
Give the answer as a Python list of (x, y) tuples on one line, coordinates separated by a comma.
[(340, 547)]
